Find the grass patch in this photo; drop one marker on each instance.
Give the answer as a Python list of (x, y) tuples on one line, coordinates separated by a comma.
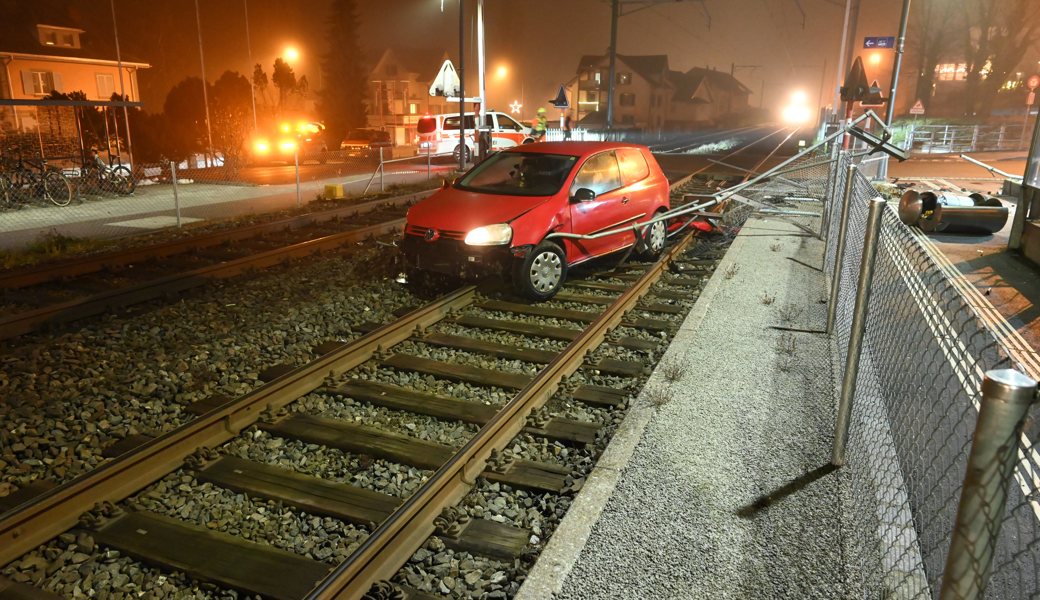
[(767, 299), (731, 271), (50, 246)]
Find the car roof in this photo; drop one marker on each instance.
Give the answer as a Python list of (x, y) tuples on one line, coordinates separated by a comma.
[(571, 148)]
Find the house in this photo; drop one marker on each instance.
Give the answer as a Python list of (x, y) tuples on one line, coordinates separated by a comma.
[(400, 91), (649, 96), (44, 58), (705, 96)]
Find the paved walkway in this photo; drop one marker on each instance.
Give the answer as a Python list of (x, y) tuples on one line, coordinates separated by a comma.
[(676, 507)]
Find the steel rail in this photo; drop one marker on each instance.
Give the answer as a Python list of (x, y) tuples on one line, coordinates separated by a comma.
[(58, 510), (397, 538), (32, 320), (38, 274)]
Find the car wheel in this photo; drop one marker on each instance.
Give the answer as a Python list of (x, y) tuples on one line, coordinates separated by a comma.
[(541, 273), (654, 237), (465, 149)]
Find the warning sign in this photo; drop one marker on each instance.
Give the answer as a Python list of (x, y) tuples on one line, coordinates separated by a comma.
[(917, 108)]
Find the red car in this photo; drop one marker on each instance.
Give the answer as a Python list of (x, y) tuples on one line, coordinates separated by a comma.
[(501, 216)]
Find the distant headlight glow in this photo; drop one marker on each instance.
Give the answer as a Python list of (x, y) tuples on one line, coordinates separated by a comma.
[(490, 235), (261, 147), (286, 145)]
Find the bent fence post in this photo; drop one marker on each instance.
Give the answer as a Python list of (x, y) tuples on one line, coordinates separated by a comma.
[(381, 188), (1006, 398), (176, 197), (296, 161), (839, 249), (859, 326)]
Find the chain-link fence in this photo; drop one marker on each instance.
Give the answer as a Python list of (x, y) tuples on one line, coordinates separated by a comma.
[(917, 397), (90, 193)]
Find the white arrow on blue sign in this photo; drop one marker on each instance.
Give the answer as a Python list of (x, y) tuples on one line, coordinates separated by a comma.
[(879, 42)]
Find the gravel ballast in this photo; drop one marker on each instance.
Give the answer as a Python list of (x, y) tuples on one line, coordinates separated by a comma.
[(670, 511)]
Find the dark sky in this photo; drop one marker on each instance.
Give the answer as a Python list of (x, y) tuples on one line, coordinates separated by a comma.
[(541, 41)]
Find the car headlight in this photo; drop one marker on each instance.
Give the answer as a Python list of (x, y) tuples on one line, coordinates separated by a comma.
[(490, 235)]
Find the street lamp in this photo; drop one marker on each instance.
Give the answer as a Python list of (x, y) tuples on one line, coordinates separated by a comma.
[(291, 54)]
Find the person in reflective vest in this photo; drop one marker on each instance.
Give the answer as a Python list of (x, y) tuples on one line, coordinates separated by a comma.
[(539, 125)]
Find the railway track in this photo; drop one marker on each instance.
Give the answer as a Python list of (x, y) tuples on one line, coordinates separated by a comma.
[(50, 295), (510, 399)]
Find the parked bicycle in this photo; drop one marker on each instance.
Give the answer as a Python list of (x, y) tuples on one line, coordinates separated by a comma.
[(115, 178), (22, 181)]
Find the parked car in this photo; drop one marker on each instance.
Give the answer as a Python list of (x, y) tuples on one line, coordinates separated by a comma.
[(280, 142), (365, 143), (440, 133), (499, 218)]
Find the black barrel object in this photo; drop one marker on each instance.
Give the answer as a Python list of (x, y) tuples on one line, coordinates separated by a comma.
[(944, 212)]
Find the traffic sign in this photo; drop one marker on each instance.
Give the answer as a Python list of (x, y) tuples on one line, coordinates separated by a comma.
[(917, 108), (560, 101), (1033, 82), (879, 42), (446, 83)]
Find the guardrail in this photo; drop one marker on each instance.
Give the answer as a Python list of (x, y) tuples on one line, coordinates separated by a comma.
[(968, 138)]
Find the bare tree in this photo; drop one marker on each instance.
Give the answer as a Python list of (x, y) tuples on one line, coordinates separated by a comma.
[(999, 34), (934, 35)]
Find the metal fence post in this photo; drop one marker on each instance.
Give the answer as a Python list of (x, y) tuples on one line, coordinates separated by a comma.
[(381, 188), (176, 197), (839, 250), (828, 197), (429, 170), (1006, 398), (859, 326), (296, 162)]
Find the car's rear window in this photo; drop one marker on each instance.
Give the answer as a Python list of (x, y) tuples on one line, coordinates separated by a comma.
[(519, 174)]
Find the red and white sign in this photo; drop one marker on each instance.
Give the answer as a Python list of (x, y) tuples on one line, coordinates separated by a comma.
[(917, 108), (1033, 82)]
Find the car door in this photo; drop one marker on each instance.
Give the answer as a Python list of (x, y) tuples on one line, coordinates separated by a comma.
[(608, 210), (507, 133), (635, 175)]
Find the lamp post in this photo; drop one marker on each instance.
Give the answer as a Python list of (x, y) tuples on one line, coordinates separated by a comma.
[(205, 95), (249, 71)]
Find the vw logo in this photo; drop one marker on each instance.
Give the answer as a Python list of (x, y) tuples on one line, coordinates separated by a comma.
[(431, 235)]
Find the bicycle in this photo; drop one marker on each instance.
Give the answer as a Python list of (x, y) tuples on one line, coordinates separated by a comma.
[(117, 178), (22, 180)]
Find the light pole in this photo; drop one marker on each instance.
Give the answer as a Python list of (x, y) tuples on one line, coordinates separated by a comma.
[(249, 72), (122, 91), (205, 95)]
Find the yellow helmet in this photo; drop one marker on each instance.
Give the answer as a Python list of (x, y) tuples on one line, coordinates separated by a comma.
[(541, 110)]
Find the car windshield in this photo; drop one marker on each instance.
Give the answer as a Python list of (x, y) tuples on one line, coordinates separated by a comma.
[(519, 174)]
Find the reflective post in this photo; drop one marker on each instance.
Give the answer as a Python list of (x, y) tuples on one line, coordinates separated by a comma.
[(859, 326), (839, 249), (1006, 398), (381, 188), (176, 197), (296, 163)]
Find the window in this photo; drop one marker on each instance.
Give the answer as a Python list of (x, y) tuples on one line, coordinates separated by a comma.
[(951, 72), (49, 35), (507, 122), (413, 108), (452, 123), (584, 76), (519, 174), (38, 83), (624, 78), (105, 85), (627, 99), (599, 174), (597, 77), (68, 40), (633, 165)]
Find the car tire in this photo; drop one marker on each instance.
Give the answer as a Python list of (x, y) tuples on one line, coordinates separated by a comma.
[(654, 238), (541, 273), (466, 150)]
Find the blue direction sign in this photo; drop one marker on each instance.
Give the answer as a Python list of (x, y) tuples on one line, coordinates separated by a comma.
[(879, 42)]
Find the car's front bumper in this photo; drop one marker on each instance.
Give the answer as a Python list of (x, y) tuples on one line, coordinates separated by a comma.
[(454, 257)]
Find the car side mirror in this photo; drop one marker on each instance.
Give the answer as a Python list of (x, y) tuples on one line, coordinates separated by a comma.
[(584, 195)]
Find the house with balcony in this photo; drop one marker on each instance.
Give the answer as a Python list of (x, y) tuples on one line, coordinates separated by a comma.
[(650, 97), (399, 92), (36, 60)]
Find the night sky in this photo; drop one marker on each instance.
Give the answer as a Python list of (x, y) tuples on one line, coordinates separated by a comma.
[(540, 41)]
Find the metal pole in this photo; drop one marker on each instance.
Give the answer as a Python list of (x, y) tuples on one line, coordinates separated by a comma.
[(481, 86), (176, 197), (249, 52), (381, 170), (1006, 398), (839, 249), (429, 170), (841, 57), (296, 163), (829, 196), (462, 89), (122, 90), (205, 94), (897, 62), (859, 326), (615, 14)]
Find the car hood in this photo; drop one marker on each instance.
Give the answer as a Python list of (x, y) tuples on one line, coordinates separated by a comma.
[(452, 209)]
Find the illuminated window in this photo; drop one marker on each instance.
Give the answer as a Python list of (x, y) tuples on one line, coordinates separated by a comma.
[(413, 108), (106, 85), (42, 82), (624, 78), (951, 72)]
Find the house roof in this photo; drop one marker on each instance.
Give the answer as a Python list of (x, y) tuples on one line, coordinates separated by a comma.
[(687, 84), (652, 67), (425, 62), (19, 33)]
